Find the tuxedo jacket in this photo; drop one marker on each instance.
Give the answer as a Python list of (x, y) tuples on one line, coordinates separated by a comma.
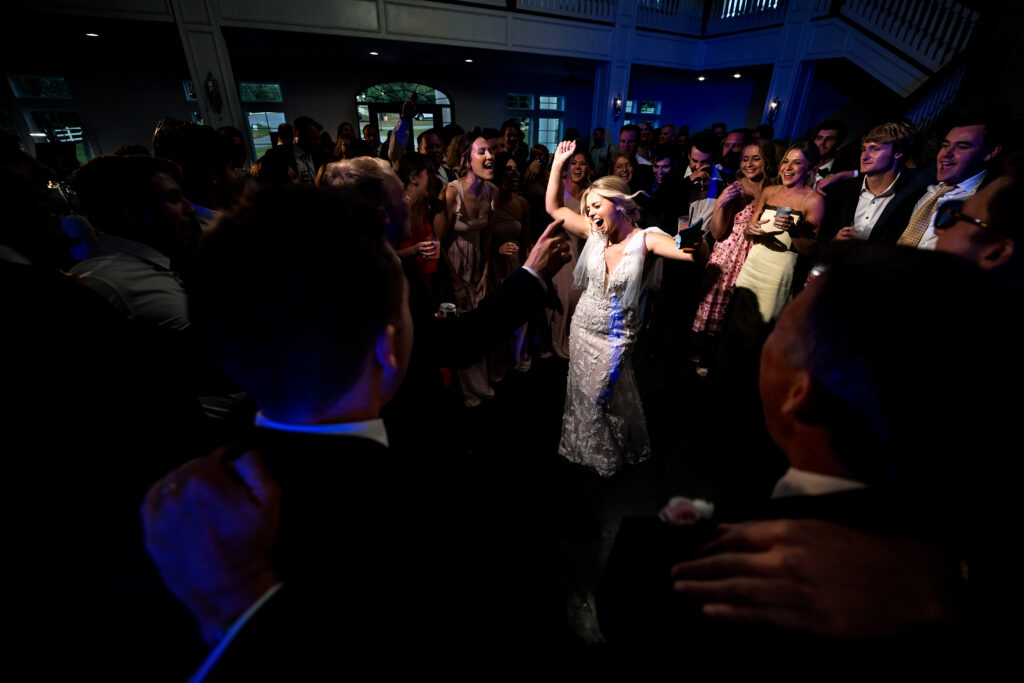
[(841, 205), (384, 565)]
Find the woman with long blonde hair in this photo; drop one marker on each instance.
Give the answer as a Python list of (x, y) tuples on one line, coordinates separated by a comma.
[(603, 426)]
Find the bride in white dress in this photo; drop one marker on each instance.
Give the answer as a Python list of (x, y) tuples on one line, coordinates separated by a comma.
[(603, 425)]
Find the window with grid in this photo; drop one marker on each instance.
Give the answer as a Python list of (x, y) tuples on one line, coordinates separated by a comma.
[(539, 117)]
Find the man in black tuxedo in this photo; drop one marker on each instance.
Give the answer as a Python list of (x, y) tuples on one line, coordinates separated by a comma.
[(366, 547), (877, 203), (861, 391)]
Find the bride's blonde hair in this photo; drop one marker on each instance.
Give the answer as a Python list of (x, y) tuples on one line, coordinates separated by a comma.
[(614, 189)]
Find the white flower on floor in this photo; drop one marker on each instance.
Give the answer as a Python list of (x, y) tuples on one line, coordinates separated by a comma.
[(681, 511)]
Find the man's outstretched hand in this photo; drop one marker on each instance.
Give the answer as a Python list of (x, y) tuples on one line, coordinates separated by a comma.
[(820, 578)]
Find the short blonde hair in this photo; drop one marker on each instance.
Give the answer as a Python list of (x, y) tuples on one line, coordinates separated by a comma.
[(614, 189), (899, 135)]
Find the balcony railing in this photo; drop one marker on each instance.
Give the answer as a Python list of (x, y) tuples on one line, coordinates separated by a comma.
[(594, 10), (727, 16), (931, 32), (677, 16)]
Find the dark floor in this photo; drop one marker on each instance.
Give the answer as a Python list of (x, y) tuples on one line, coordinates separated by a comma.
[(707, 442)]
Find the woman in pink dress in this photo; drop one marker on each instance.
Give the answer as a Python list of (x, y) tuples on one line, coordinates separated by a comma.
[(758, 169)]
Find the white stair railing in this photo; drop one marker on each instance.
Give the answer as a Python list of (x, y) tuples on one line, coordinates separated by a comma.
[(594, 10), (677, 16), (930, 32)]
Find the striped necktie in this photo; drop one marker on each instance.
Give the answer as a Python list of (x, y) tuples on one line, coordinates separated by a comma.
[(919, 223)]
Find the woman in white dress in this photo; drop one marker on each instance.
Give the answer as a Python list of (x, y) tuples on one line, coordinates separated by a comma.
[(603, 426)]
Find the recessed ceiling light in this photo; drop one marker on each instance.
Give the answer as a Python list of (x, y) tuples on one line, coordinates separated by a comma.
[(93, 35), (735, 75), (374, 53), (700, 78), (469, 61), (38, 135)]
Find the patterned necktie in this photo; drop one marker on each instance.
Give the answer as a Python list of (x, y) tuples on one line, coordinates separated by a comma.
[(919, 223)]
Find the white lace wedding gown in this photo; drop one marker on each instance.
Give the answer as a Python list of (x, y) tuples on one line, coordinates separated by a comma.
[(603, 426)]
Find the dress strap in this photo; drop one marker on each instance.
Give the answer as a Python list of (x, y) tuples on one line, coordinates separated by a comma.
[(459, 200)]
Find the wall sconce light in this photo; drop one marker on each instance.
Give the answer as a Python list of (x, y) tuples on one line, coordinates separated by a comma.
[(213, 93), (617, 107), (773, 109)]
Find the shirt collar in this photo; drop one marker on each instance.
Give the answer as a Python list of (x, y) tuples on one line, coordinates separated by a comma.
[(368, 429), (887, 192), (803, 483), (133, 248), (12, 255), (969, 185)]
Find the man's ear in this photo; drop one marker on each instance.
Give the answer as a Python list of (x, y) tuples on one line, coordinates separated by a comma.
[(798, 396), (996, 254), (385, 348), (996, 149)]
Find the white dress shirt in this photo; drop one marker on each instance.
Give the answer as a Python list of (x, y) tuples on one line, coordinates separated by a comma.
[(803, 483), (960, 191), (870, 206), (137, 280)]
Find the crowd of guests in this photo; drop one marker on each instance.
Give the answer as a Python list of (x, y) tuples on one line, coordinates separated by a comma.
[(339, 294)]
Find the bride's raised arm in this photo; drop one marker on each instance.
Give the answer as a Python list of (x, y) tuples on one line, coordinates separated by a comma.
[(575, 224)]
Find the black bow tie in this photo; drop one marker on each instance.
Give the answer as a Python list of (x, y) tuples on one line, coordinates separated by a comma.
[(824, 172)]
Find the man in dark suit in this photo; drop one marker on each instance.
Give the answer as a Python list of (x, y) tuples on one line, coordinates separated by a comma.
[(364, 545), (877, 203), (842, 375)]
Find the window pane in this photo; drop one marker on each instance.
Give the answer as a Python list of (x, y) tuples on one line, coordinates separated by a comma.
[(552, 102), (518, 101), (630, 106), (650, 108), (261, 123), (50, 87), (549, 132), (364, 114), (62, 126), (260, 92)]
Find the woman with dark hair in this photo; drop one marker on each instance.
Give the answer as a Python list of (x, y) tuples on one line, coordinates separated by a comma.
[(466, 239), (784, 223), (510, 236), (733, 210), (418, 182)]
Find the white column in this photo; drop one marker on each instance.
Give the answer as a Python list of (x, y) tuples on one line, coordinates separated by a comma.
[(791, 77), (207, 56), (611, 79)]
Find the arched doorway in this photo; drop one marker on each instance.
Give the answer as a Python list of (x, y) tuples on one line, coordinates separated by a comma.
[(381, 105)]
